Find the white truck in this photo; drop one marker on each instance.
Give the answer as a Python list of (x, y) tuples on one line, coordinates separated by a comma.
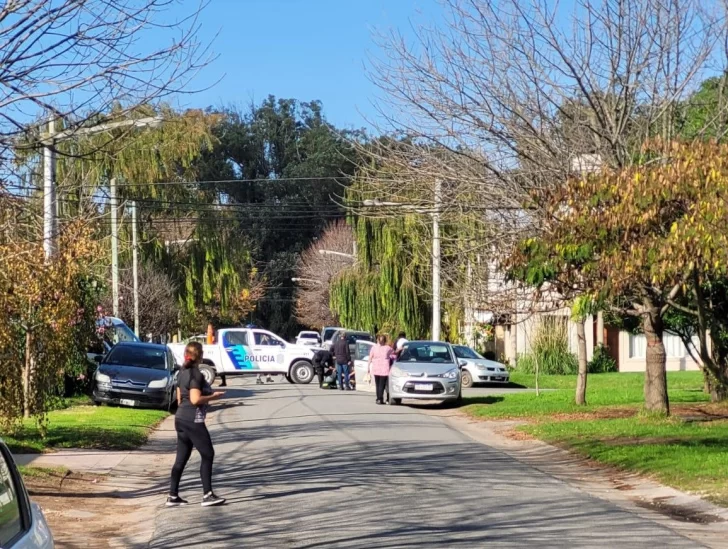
[(246, 351)]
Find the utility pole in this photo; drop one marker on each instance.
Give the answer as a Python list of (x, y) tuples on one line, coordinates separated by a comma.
[(49, 192), (436, 315), (48, 142), (114, 247), (135, 263)]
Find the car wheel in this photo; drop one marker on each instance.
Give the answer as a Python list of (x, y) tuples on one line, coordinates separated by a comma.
[(208, 372), (395, 401), (302, 372), (289, 379), (466, 379)]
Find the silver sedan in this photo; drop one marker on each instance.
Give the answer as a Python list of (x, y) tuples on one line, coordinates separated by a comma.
[(477, 369), (425, 370)]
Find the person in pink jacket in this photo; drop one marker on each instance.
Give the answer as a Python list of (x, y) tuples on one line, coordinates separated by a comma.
[(379, 365)]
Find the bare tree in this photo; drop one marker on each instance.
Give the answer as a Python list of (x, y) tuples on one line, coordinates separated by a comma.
[(512, 96), (315, 271), (79, 60), (158, 308)]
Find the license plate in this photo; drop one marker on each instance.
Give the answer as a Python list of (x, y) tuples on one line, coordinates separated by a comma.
[(126, 402), (424, 387)]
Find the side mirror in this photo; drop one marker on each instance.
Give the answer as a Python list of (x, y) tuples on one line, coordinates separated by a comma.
[(176, 368), (462, 363), (98, 359)]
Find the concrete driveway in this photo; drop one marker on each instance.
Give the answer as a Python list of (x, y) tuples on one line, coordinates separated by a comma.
[(303, 467)]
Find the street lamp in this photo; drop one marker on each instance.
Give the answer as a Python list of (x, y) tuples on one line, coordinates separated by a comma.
[(332, 252), (435, 212), (296, 279)]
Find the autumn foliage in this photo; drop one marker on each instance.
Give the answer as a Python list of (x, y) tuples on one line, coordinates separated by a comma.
[(645, 239), (45, 314)]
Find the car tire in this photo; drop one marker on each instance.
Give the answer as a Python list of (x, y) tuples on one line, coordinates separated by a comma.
[(395, 401), (466, 379), (302, 372), (289, 379), (208, 372)]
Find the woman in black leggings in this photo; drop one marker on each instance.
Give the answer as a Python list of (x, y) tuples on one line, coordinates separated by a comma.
[(193, 396)]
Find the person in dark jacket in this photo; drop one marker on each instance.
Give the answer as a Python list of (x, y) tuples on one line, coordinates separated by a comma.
[(322, 360), (342, 354)]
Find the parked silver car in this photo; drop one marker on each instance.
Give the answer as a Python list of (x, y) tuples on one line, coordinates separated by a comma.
[(22, 524), (478, 369), (425, 370)]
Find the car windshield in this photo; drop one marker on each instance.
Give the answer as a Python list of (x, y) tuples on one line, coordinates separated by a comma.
[(353, 338), (329, 333), (141, 357), (465, 352), (433, 352), (114, 331)]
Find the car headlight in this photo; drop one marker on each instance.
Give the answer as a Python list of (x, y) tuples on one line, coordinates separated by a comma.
[(102, 378), (158, 383), (451, 374), (397, 372), (480, 367)]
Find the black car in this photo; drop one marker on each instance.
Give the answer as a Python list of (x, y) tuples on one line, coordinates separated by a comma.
[(352, 337), (143, 375)]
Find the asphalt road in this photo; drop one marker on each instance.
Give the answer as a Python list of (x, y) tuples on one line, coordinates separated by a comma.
[(307, 468)]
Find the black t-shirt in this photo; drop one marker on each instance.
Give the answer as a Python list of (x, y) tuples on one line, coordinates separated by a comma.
[(323, 358), (189, 378)]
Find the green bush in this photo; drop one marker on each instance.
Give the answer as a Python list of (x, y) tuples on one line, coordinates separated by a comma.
[(549, 350), (601, 362)]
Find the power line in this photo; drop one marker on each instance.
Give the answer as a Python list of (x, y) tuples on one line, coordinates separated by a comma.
[(202, 182)]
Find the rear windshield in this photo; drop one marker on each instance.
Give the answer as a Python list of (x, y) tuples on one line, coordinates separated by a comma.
[(465, 352), (141, 357), (433, 352), (308, 336), (329, 333)]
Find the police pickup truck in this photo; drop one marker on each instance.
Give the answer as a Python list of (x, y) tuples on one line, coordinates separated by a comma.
[(241, 351)]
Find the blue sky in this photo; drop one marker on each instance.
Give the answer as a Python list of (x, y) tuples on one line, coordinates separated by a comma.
[(304, 49)]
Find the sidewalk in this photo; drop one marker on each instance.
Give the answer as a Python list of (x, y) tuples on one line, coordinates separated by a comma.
[(127, 498)]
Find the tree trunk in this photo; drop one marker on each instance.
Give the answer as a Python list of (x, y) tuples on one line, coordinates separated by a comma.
[(718, 392), (707, 384), (513, 343), (581, 379), (26, 375), (656, 399)]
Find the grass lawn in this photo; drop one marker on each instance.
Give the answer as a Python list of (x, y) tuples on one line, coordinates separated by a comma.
[(691, 456), (603, 390), (84, 425), (688, 451)]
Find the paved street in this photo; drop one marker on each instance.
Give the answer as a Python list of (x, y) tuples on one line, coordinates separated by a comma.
[(308, 468)]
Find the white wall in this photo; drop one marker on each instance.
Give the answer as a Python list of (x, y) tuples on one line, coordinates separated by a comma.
[(632, 353)]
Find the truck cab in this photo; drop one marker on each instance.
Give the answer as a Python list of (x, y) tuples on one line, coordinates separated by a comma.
[(246, 351)]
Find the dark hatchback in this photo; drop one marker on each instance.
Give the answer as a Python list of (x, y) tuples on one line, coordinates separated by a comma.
[(135, 374)]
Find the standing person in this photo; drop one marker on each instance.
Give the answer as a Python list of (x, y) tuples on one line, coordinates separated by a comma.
[(322, 360), (193, 396), (379, 365), (401, 342), (342, 354)]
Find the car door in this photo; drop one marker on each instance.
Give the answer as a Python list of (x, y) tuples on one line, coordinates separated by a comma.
[(269, 352), (238, 353), (362, 349), (22, 525)]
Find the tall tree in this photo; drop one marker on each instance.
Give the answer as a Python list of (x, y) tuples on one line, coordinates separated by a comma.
[(284, 166)]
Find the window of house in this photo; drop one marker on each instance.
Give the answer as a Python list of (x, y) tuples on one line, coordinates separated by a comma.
[(637, 346), (673, 346)]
